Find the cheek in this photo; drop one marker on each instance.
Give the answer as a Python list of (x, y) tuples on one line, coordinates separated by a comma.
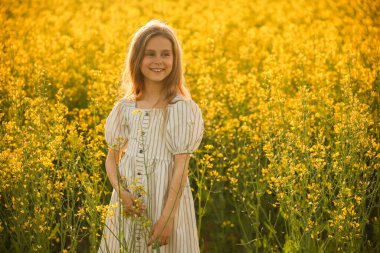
[(144, 63), (170, 63)]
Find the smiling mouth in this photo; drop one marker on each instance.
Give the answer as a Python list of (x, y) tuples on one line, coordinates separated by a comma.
[(157, 70)]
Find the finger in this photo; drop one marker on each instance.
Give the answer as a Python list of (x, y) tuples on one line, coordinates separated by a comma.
[(150, 238), (139, 208), (153, 236), (128, 207), (135, 201), (143, 207), (150, 241), (164, 241), (127, 213), (128, 210)]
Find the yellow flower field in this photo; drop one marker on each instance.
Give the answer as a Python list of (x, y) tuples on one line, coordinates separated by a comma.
[(290, 95)]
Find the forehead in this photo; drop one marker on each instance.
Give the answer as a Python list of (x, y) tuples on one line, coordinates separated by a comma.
[(158, 43)]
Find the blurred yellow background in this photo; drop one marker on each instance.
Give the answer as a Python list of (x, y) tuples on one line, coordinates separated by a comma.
[(289, 92)]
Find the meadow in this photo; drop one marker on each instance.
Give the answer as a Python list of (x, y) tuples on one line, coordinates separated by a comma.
[(290, 96)]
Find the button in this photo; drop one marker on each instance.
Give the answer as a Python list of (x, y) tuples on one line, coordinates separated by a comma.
[(141, 151), (146, 113), (139, 173), (138, 238)]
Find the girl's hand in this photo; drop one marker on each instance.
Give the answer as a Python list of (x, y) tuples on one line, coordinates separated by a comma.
[(161, 231), (131, 205)]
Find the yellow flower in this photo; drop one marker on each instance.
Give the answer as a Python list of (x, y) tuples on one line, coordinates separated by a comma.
[(136, 111), (209, 146)]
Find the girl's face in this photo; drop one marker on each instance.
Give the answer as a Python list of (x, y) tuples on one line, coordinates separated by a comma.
[(158, 60)]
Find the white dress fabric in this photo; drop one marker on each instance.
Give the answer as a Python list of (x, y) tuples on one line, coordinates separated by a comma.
[(154, 137)]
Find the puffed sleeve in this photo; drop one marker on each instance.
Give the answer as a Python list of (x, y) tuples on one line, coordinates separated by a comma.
[(185, 127), (116, 127)]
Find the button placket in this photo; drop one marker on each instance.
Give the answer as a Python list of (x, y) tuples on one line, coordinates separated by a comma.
[(140, 170), (141, 155)]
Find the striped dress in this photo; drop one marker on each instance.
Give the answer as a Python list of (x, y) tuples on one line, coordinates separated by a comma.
[(153, 137)]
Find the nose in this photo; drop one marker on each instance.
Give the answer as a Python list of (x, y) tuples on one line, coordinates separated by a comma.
[(158, 61)]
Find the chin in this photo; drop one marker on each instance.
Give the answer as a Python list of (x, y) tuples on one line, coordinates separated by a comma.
[(159, 79)]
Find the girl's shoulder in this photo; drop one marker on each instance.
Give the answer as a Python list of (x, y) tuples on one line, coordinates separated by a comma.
[(178, 99), (122, 105), (126, 101), (182, 102)]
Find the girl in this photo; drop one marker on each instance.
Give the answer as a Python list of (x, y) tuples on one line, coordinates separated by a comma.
[(154, 130)]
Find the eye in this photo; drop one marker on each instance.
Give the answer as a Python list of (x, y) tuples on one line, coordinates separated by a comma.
[(149, 53), (167, 54)]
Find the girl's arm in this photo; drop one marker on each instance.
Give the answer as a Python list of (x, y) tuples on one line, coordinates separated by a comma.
[(126, 197), (112, 162), (177, 184), (164, 226)]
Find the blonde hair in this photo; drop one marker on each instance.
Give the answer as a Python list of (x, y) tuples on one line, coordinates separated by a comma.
[(132, 77)]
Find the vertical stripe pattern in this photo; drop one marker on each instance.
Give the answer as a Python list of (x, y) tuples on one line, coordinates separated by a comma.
[(147, 166)]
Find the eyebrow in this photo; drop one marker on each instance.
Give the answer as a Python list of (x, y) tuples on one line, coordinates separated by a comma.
[(152, 50)]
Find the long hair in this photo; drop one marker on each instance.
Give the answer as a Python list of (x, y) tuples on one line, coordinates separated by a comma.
[(132, 77)]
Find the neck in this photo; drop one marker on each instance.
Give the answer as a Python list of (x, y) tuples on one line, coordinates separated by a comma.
[(153, 91)]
